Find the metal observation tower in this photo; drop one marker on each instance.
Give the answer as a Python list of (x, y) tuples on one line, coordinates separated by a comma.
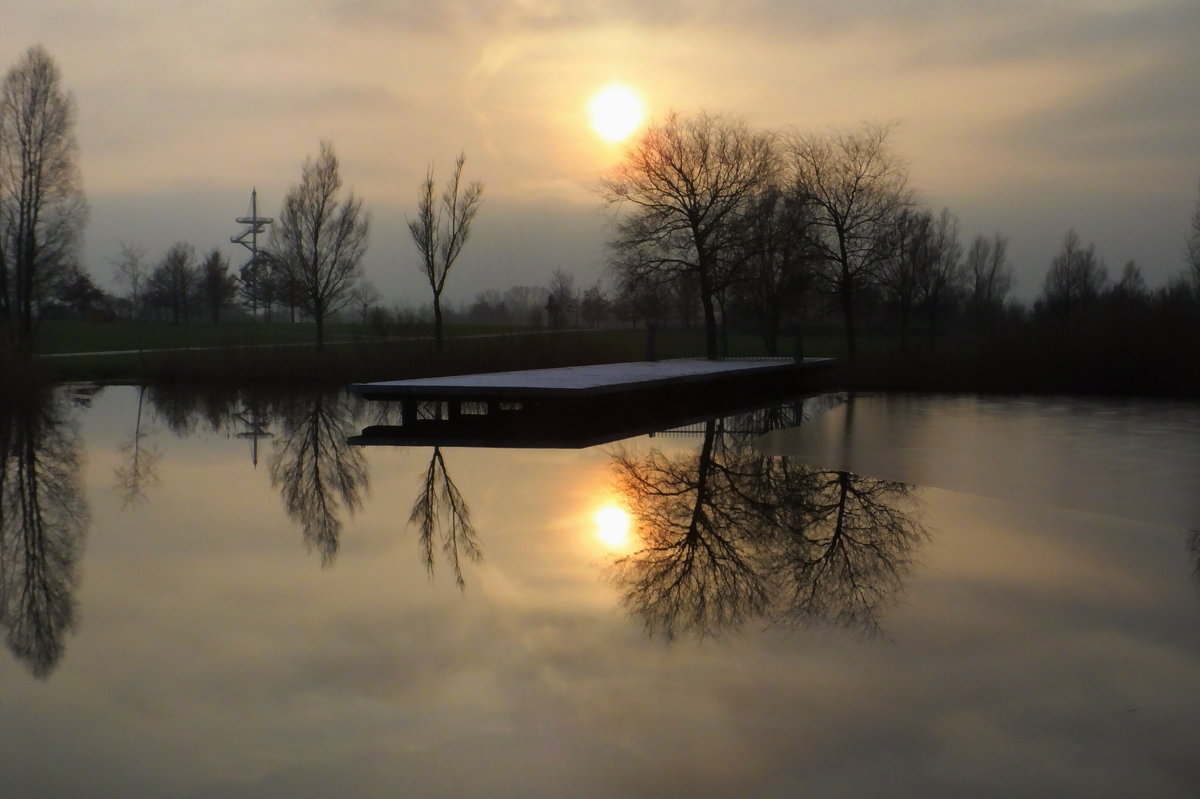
[(248, 238)]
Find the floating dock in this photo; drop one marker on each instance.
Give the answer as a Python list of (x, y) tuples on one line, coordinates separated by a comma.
[(575, 405), (581, 381)]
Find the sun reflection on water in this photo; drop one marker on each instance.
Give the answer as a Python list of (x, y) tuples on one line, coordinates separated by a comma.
[(613, 528)]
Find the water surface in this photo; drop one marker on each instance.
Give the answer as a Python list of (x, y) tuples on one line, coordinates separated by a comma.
[(904, 596)]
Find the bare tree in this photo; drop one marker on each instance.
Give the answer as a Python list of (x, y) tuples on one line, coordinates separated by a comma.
[(562, 299), (909, 254), (131, 270), (991, 278), (855, 186), (366, 295), (217, 285), (1192, 244), (594, 306), (524, 304), (688, 182), (42, 209), (943, 278), (781, 259), (441, 230), (173, 281), (319, 240), (1075, 278)]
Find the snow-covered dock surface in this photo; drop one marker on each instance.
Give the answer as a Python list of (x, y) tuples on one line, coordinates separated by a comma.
[(579, 381)]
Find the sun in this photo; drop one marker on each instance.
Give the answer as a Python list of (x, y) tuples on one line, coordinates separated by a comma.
[(613, 528), (615, 112)]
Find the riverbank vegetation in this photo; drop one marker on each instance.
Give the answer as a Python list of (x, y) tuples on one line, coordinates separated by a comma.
[(1144, 349)]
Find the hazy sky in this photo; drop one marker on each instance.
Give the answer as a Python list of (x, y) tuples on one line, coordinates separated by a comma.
[(1027, 117)]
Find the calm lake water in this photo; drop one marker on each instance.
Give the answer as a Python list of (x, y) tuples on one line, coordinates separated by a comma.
[(217, 596)]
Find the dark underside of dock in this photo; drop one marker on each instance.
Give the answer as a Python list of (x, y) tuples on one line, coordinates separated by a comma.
[(576, 406)]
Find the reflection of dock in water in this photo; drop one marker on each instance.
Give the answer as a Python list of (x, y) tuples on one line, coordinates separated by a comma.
[(576, 406)]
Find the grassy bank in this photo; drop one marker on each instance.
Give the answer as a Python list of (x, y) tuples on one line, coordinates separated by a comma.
[(281, 353), (345, 359)]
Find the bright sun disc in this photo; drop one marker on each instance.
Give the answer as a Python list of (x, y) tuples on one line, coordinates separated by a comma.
[(616, 112), (612, 527)]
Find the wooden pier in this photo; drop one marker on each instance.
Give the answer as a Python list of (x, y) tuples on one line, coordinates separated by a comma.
[(574, 406)]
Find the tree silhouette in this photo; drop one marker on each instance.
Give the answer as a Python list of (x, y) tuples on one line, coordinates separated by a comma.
[(730, 536), (441, 229), (854, 186), (320, 240), (318, 473), (137, 471), (43, 521), (842, 548), (441, 511), (1194, 550), (42, 208), (687, 184), (697, 569)]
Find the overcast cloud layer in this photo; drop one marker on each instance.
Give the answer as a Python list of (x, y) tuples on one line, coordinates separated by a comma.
[(1023, 117)]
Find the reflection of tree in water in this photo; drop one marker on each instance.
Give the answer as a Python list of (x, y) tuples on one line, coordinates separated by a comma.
[(139, 460), (319, 476), (730, 535), (43, 520), (697, 568), (1194, 549), (845, 551), (440, 510), (318, 473)]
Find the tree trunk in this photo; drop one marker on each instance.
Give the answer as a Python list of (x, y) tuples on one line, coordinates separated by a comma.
[(710, 327), (848, 316), (437, 322)]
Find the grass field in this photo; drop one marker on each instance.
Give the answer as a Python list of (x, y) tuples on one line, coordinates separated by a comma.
[(284, 352), (59, 337)]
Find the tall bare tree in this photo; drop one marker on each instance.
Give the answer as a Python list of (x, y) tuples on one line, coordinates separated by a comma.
[(441, 230), (42, 208), (1192, 250), (855, 186), (562, 301), (944, 278), (910, 251), (1075, 278), (781, 260), (320, 240), (687, 183), (990, 279), (172, 284), (217, 285), (130, 268)]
